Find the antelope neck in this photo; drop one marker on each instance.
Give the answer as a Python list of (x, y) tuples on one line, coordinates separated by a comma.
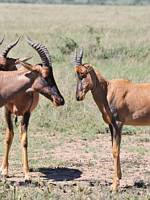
[(94, 79), (99, 90)]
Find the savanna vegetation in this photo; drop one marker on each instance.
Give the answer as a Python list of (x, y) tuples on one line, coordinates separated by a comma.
[(69, 146)]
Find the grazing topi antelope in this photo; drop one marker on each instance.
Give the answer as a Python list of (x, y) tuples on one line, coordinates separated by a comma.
[(119, 101), (24, 103)]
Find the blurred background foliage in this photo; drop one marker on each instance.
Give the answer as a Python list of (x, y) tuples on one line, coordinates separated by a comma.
[(100, 2)]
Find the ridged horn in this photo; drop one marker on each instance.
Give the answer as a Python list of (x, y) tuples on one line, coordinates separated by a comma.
[(80, 56), (75, 57), (42, 51), (2, 40), (9, 47), (78, 59)]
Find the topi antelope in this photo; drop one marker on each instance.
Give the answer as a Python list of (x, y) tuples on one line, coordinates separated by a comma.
[(25, 103), (119, 101)]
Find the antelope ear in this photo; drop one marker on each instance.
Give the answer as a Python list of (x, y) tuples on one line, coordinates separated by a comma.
[(35, 68), (76, 69), (18, 60), (27, 65)]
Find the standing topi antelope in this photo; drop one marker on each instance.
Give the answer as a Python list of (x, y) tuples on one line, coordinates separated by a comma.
[(119, 101), (25, 103)]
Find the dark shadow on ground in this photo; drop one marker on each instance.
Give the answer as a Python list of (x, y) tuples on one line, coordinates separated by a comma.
[(60, 174)]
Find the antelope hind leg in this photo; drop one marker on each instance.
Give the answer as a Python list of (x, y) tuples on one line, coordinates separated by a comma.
[(24, 145), (116, 140), (117, 168)]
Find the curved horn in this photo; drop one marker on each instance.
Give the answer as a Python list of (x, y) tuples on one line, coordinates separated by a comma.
[(2, 40), (78, 59), (48, 55), (42, 51), (75, 57), (9, 47), (80, 56)]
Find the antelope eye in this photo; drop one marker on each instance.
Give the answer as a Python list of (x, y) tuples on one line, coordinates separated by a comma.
[(83, 75)]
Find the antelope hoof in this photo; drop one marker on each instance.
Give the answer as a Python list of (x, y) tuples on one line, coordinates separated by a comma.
[(27, 179), (114, 189), (115, 186)]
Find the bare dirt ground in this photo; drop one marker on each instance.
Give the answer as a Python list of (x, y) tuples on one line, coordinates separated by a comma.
[(85, 169)]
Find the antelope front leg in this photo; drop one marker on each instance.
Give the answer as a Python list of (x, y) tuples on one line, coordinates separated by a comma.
[(8, 141), (24, 145)]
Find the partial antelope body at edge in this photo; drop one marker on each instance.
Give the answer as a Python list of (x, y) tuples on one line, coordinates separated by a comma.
[(43, 82), (121, 102), (14, 83)]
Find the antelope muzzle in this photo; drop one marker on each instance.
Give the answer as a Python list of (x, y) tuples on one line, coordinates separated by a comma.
[(80, 94), (57, 98)]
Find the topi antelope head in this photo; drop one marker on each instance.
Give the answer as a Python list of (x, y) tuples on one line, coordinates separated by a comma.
[(45, 84), (84, 83)]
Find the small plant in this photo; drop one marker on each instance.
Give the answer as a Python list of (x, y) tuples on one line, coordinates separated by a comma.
[(67, 46), (95, 41)]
